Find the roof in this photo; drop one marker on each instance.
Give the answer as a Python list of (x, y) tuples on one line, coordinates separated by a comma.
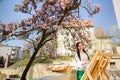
[(115, 57), (103, 36)]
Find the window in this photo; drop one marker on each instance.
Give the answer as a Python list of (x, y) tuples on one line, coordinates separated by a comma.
[(113, 65)]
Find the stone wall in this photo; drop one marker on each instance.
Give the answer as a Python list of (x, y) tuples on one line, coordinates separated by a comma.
[(9, 71), (61, 76), (37, 71), (118, 49), (116, 60), (101, 44), (40, 70), (17, 71)]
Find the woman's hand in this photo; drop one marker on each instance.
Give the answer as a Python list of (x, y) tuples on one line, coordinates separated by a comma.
[(86, 62)]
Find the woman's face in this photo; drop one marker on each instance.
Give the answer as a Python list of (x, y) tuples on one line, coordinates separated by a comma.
[(80, 46)]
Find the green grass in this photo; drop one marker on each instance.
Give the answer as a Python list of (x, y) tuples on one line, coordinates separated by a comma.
[(91, 55), (64, 58), (20, 63), (44, 61), (24, 62), (116, 54)]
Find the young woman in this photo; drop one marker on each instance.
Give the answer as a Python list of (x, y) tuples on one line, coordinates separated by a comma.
[(82, 59)]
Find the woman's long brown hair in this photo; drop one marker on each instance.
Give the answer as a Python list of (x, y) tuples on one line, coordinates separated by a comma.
[(78, 53)]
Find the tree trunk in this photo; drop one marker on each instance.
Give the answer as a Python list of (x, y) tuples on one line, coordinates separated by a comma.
[(23, 77), (40, 44)]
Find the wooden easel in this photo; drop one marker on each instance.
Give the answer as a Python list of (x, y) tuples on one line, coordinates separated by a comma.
[(107, 58), (97, 67)]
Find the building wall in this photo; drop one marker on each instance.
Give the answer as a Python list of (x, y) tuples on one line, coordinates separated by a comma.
[(4, 51), (60, 50), (91, 33), (116, 4), (97, 44), (102, 44), (117, 65), (99, 31), (8, 50), (118, 49)]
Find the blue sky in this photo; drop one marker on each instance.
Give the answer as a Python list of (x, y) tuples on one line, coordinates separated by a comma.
[(7, 13), (105, 19)]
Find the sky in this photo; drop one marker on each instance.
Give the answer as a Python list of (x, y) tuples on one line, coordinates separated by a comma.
[(105, 19), (7, 13)]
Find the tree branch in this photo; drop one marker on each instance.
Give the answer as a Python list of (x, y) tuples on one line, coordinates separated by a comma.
[(24, 32), (47, 41), (86, 9), (32, 43), (49, 33), (42, 38), (70, 32), (68, 9)]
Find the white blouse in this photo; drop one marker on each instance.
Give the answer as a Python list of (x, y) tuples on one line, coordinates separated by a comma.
[(80, 64)]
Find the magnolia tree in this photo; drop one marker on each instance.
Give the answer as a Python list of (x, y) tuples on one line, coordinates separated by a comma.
[(47, 17), (77, 33)]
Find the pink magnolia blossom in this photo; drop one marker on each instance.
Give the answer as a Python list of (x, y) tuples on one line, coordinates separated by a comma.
[(47, 19), (50, 16), (88, 0), (65, 3)]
